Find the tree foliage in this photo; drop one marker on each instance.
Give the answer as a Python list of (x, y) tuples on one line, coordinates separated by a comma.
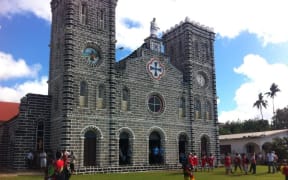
[(250, 125), (280, 121), (280, 146), (272, 93), (260, 103)]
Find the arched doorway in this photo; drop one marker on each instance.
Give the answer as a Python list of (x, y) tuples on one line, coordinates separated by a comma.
[(266, 147), (90, 148), (125, 152), (182, 147), (40, 137), (252, 147), (156, 151), (204, 145)]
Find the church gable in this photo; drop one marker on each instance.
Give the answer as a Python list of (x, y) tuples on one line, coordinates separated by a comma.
[(150, 67)]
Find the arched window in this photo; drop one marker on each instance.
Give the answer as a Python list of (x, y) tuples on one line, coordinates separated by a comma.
[(125, 103), (156, 151), (205, 145), (40, 136), (197, 109), (196, 49), (83, 14), (208, 111), (101, 97), (182, 107), (56, 98), (101, 19), (183, 147), (83, 98), (125, 152), (90, 148)]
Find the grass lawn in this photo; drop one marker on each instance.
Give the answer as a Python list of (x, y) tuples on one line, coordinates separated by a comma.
[(217, 174)]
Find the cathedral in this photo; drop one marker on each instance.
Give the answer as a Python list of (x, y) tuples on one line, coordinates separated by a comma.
[(140, 113)]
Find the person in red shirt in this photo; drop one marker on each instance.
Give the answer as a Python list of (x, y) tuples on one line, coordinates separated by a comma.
[(203, 162), (188, 173), (210, 161), (195, 161), (228, 163), (58, 167), (237, 162), (245, 163), (285, 170), (190, 160), (253, 163)]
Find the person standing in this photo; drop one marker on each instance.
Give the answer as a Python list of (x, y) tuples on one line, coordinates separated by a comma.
[(203, 162), (187, 172), (190, 160), (253, 164), (228, 163), (285, 170), (237, 162), (195, 161), (211, 162), (270, 161), (156, 154), (245, 163), (72, 162), (30, 158), (43, 159), (59, 167)]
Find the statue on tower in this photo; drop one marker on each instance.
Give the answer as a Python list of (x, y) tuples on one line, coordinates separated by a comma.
[(153, 28)]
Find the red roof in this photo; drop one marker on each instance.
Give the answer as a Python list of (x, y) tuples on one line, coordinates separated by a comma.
[(8, 110)]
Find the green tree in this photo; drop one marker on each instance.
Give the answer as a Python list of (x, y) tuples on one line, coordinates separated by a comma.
[(272, 93), (261, 102), (253, 125), (280, 120), (280, 145)]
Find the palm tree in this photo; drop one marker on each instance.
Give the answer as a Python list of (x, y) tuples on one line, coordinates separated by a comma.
[(261, 102), (272, 93)]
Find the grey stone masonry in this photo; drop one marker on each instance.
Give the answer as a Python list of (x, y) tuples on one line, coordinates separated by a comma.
[(22, 131), (138, 114)]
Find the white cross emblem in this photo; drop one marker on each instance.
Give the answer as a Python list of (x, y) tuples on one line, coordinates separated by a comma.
[(155, 69)]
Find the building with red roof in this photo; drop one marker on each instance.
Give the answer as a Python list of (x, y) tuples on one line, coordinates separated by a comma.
[(8, 110)]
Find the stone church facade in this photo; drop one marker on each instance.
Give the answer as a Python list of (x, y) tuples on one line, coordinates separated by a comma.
[(113, 115)]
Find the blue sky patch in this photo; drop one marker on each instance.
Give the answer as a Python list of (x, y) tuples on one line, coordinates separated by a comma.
[(129, 23)]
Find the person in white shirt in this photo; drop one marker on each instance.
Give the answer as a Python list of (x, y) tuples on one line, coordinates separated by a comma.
[(270, 161), (43, 159)]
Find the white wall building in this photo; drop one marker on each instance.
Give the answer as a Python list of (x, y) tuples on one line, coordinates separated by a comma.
[(249, 142)]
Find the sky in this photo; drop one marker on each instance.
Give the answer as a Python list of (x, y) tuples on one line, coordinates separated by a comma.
[(250, 46)]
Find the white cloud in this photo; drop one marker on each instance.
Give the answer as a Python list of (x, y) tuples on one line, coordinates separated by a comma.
[(265, 18), (17, 69), (40, 8), (228, 18), (14, 94), (259, 76), (11, 68)]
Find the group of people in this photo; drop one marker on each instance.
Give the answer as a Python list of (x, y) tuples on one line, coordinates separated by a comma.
[(191, 163), (62, 167), (241, 161), (59, 167), (35, 160), (272, 160)]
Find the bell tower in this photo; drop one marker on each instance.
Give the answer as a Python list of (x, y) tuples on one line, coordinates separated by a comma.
[(190, 47), (81, 74)]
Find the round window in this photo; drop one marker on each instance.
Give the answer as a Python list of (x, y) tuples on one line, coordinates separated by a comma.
[(155, 104)]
